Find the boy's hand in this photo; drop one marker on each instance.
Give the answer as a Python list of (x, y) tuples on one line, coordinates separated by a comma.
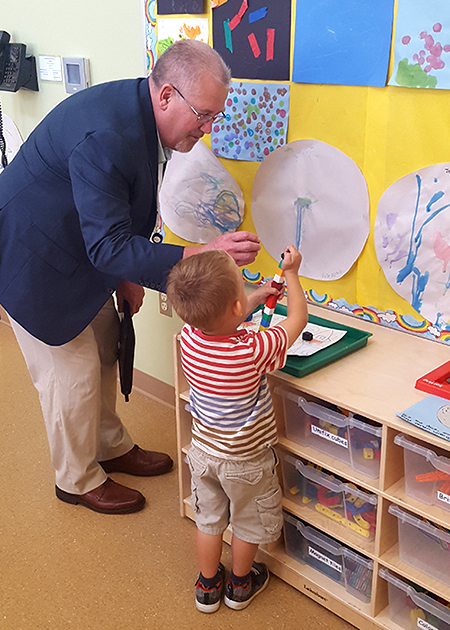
[(260, 295), (292, 259), (297, 308)]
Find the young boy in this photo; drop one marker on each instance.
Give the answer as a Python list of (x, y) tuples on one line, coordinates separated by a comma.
[(231, 458)]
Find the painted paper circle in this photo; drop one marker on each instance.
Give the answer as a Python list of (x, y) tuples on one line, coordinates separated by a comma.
[(12, 137), (412, 240), (199, 198), (311, 195)]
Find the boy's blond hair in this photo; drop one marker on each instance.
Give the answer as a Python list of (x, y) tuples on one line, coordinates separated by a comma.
[(201, 287)]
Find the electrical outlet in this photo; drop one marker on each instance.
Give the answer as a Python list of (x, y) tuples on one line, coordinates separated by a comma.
[(165, 307)]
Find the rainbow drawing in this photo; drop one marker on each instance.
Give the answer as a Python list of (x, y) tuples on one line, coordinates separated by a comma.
[(150, 12), (254, 278), (408, 323), (315, 298), (367, 313), (150, 33)]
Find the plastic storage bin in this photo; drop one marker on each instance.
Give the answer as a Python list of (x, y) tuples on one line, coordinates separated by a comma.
[(343, 503), (349, 439), (423, 545), (365, 446), (411, 609), (427, 474), (309, 546)]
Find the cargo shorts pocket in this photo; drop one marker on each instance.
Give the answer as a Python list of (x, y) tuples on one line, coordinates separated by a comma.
[(269, 510), (197, 469), (249, 477)]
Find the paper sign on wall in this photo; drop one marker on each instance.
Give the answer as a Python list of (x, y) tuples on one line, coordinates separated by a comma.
[(199, 198), (342, 43), (422, 44), (253, 38), (313, 196), (256, 121), (412, 240), (167, 7), (171, 30)]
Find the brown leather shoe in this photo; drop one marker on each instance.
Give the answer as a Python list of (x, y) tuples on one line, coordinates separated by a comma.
[(109, 498), (140, 463)]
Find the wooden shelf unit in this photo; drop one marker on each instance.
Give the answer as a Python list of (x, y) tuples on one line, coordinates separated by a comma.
[(375, 382)]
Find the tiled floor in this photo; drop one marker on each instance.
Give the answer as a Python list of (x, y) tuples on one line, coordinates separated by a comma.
[(65, 567)]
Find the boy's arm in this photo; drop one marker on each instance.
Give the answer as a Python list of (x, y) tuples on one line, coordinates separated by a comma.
[(297, 308)]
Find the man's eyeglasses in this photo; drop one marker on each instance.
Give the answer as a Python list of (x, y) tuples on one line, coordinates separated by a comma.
[(202, 118)]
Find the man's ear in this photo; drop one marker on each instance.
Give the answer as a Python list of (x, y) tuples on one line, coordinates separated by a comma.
[(166, 94)]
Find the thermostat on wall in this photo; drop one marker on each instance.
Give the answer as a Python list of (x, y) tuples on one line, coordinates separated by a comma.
[(76, 74)]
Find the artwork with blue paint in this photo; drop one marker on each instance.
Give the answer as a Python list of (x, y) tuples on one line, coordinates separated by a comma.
[(256, 121), (342, 43), (422, 44), (199, 198), (412, 240), (315, 197), (302, 204)]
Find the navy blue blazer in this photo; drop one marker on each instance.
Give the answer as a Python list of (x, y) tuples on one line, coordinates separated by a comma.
[(77, 207)]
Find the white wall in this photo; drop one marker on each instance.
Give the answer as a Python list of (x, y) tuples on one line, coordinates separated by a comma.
[(110, 33)]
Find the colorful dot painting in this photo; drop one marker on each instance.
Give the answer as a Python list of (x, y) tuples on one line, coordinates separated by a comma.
[(255, 124), (422, 45)]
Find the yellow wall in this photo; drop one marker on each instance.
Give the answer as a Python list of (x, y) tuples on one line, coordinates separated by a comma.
[(388, 132)]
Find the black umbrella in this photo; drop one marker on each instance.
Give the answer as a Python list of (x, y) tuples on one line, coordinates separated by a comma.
[(127, 342)]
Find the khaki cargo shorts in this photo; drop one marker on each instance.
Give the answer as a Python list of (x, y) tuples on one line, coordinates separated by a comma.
[(244, 494)]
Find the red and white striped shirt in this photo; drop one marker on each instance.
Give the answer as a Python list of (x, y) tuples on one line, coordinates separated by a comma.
[(231, 405)]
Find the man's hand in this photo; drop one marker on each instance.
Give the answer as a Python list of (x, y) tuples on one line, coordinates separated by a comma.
[(243, 247), (132, 293)]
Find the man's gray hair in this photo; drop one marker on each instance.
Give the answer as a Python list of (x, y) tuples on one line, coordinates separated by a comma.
[(185, 61)]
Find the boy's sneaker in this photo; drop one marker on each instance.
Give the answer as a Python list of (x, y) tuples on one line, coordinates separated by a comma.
[(207, 599), (239, 597)]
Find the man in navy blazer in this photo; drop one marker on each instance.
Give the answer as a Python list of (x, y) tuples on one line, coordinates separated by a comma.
[(78, 206)]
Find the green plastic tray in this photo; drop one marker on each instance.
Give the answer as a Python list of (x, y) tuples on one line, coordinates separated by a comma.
[(353, 340)]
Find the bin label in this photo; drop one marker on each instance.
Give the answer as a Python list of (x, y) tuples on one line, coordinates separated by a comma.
[(421, 623), (443, 497), (337, 439), (321, 558)]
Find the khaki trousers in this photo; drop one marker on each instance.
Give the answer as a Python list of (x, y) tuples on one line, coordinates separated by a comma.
[(77, 385)]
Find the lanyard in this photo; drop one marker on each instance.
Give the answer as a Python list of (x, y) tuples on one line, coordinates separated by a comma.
[(157, 235)]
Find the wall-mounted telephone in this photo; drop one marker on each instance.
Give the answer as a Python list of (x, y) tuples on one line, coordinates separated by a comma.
[(17, 70)]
